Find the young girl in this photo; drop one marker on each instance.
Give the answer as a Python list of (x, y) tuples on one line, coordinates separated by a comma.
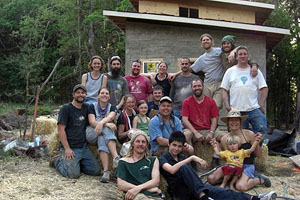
[(234, 156), (141, 121), (94, 80)]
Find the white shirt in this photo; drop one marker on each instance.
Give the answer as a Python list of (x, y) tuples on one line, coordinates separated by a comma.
[(243, 88)]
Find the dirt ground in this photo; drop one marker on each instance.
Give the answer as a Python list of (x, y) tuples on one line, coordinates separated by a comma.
[(26, 178)]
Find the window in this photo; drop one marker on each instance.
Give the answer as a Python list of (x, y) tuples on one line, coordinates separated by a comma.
[(194, 13), (183, 12), (188, 12), (150, 64)]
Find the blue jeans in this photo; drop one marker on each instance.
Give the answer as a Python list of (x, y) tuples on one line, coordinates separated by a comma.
[(84, 161), (189, 186), (257, 119)]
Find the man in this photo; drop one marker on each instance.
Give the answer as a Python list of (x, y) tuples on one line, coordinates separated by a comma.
[(243, 91), (72, 121), (138, 173), (181, 89), (162, 125), (153, 106), (139, 86), (199, 114), (116, 84), (211, 64), (185, 184), (227, 47)]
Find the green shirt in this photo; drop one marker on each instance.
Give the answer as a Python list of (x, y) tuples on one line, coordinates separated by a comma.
[(136, 173)]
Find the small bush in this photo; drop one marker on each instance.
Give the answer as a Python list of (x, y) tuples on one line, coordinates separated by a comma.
[(42, 110)]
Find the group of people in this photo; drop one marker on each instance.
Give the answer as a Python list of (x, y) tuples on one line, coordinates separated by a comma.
[(170, 113)]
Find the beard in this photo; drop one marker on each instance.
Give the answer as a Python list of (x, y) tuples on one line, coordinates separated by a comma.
[(115, 71), (197, 93)]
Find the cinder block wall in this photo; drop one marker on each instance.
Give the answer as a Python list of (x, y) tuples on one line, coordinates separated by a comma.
[(145, 40)]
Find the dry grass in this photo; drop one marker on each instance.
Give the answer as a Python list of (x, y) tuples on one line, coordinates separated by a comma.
[(29, 179)]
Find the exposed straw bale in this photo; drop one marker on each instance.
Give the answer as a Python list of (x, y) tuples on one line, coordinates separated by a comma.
[(261, 162), (45, 125), (53, 143), (204, 151)]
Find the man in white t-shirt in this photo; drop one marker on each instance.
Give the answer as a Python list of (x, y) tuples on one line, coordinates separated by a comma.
[(243, 91)]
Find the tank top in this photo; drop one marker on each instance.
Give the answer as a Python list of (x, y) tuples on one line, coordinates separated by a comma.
[(164, 84), (93, 86), (247, 145), (143, 125)]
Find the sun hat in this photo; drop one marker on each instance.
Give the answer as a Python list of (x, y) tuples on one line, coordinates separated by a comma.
[(233, 114)]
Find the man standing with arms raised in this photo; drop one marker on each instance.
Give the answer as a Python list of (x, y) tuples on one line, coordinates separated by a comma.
[(211, 64)]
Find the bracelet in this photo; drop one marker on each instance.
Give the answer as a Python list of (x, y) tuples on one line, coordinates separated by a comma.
[(211, 131)]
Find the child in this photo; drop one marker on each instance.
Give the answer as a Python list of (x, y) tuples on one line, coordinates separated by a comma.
[(234, 156), (141, 121)]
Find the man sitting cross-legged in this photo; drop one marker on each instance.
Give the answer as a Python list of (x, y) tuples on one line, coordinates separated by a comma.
[(185, 184)]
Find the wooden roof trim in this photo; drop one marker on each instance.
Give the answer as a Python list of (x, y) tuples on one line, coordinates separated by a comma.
[(205, 22)]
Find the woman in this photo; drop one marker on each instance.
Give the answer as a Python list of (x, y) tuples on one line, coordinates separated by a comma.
[(103, 134), (126, 118), (249, 177), (94, 80), (161, 78)]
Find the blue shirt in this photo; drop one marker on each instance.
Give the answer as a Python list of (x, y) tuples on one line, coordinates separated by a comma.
[(157, 130)]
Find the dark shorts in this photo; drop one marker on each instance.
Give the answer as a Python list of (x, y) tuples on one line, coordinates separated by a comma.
[(234, 171)]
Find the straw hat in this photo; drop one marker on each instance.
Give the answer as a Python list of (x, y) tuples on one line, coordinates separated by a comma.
[(233, 114)]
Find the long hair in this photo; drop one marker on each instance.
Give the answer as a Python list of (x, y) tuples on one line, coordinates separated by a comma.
[(135, 133)]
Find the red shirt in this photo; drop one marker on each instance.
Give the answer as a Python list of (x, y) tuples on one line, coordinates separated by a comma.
[(200, 114), (139, 86)]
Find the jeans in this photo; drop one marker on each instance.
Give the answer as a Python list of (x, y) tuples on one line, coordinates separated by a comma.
[(189, 186), (84, 161), (102, 140), (257, 120)]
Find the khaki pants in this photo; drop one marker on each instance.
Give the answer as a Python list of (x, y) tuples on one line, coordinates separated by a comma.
[(214, 91)]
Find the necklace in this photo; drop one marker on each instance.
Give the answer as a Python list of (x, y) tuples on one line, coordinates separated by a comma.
[(161, 79), (102, 112)]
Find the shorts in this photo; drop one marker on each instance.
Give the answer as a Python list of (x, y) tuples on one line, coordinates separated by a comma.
[(214, 91), (234, 171), (249, 170)]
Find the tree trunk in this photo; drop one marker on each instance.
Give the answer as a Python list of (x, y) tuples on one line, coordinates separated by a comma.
[(91, 39)]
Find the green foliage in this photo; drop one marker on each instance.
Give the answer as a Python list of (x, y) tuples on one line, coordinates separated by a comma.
[(34, 34), (42, 110)]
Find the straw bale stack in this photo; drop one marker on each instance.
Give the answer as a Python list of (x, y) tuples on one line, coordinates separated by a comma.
[(45, 125), (53, 142), (204, 151), (261, 162)]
